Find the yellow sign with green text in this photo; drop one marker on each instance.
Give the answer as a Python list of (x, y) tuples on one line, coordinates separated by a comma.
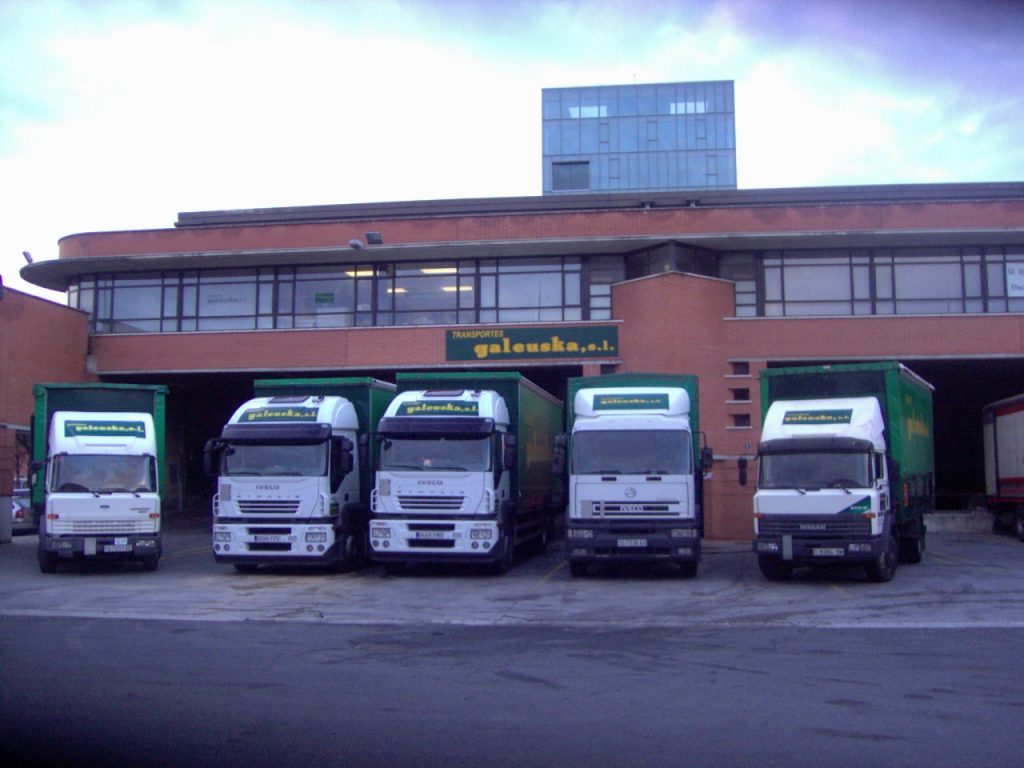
[(486, 344)]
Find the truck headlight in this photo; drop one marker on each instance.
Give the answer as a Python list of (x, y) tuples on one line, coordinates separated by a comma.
[(380, 533), (860, 547), (480, 533), (580, 533), (767, 546), (316, 537), (684, 533), (221, 536)]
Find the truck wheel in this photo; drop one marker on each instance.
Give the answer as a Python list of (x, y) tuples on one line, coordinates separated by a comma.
[(47, 561), (507, 556), (912, 549), (578, 570), (246, 567), (774, 569), (687, 569), (884, 567), (150, 563), (541, 545)]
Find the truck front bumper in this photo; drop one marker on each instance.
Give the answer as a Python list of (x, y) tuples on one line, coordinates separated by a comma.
[(605, 541), (435, 541), (819, 551), (309, 542), (114, 546)]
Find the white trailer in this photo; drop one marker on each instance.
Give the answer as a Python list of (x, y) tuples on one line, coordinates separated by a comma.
[(1003, 434)]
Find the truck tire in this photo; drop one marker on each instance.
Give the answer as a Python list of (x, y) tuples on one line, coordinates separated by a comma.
[(578, 570), (884, 567), (246, 567), (687, 569), (150, 563), (774, 569), (912, 549), (541, 543), (47, 560), (508, 554)]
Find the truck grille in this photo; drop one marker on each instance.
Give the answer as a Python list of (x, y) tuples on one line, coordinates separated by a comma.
[(430, 503), (634, 510), (268, 506), (103, 527), (818, 527)]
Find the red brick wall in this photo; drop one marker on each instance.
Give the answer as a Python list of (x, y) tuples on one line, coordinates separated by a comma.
[(825, 217), (39, 341), (673, 323)]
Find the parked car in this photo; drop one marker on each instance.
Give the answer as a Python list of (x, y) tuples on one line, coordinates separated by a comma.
[(22, 520)]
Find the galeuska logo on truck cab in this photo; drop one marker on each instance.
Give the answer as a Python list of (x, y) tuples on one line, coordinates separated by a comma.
[(280, 414), (818, 417), (104, 429), (439, 408), (630, 402)]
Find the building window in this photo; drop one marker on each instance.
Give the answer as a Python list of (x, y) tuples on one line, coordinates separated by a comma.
[(739, 368), (328, 296), (569, 176)]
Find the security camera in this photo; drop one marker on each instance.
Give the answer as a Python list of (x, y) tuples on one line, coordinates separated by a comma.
[(356, 244)]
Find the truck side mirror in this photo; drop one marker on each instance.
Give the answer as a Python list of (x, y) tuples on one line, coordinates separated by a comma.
[(741, 465), (509, 456), (211, 457), (342, 460), (558, 463), (346, 459), (707, 458)]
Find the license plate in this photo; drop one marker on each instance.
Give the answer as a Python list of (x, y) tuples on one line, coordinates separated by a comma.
[(828, 551), (432, 534), (118, 548), (266, 538), (632, 542)]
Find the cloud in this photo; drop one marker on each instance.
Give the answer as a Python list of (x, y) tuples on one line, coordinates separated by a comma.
[(119, 114)]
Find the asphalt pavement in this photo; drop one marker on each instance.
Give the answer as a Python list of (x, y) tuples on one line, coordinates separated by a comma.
[(967, 579)]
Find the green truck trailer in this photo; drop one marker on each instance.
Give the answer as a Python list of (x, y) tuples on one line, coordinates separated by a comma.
[(294, 468), (846, 468), (635, 471), (97, 470), (465, 471)]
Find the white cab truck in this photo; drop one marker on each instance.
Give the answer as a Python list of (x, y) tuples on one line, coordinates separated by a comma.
[(293, 474), (96, 475), (465, 470), (845, 468), (635, 474)]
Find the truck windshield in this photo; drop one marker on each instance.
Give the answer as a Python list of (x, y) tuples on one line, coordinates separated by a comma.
[(632, 452), (101, 473), (275, 460), (815, 470), (471, 454)]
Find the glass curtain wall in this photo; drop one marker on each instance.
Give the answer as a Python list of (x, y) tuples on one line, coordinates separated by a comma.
[(329, 296)]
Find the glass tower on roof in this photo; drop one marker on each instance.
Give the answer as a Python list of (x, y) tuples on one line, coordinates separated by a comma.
[(644, 138)]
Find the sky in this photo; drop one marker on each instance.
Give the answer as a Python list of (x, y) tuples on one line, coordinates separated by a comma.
[(118, 114)]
